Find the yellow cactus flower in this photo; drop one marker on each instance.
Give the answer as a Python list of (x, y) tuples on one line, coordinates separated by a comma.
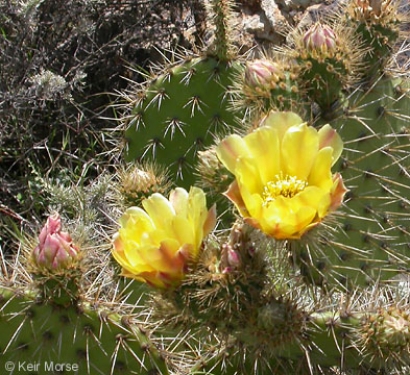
[(284, 185), (156, 244)]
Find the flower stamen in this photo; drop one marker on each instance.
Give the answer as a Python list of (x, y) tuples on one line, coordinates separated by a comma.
[(287, 187)]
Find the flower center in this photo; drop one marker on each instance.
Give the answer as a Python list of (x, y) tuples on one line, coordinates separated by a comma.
[(287, 186)]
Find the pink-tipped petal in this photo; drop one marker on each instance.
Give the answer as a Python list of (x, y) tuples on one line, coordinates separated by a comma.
[(338, 192), (328, 137), (179, 200), (234, 194)]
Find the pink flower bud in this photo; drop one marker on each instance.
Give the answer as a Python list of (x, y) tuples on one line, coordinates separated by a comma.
[(320, 37), (55, 250), (230, 259), (233, 258), (261, 72)]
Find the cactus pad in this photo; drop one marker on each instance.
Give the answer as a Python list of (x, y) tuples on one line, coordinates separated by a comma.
[(179, 114), (53, 339), (370, 241)]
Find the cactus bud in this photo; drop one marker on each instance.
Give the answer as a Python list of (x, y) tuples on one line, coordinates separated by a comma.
[(320, 37), (230, 259), (262, 73), (55, 250), (266, 83), (140, 181)]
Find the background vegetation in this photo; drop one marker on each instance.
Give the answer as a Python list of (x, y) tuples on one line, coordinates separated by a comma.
[(62, 67)]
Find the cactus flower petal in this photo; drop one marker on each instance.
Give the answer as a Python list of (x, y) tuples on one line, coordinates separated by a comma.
[(157, 244), (320, 174), (338, 191), (297, 138), (254, 141), (328, 137), (232, 148), (159, 209), (283, 184)]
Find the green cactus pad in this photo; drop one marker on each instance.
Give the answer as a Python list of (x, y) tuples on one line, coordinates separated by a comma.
[(378, 25), (180, 113), (40, 338), (369, 238), (323, 80), (330, 339)]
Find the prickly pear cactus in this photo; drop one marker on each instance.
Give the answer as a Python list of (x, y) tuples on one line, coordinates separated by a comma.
[(379, 25), (50, 322), (367, 241), (276, 327), (44, 338), (349, 318), (181, 110), (179, 114), (327, 62), (264, 84), (308, 276), (370, 241)]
